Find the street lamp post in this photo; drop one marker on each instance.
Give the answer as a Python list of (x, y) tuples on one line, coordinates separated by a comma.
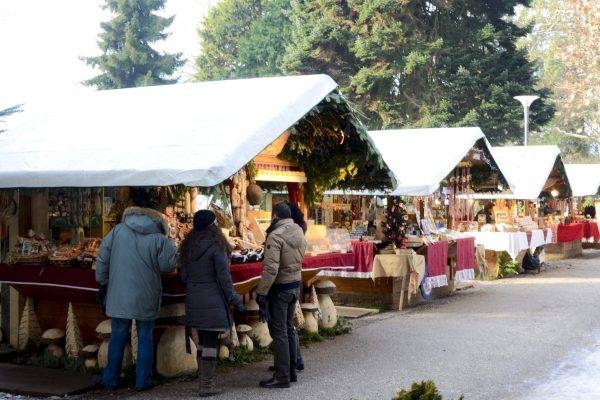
[(526, 102)]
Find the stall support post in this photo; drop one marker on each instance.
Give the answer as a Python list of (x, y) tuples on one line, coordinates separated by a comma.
[(14, 311), (5, 308)]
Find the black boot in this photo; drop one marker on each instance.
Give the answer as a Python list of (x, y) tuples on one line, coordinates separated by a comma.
[(208, 386)]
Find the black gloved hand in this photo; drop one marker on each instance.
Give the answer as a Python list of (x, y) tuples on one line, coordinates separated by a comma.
[(261, 300), (263, 308)]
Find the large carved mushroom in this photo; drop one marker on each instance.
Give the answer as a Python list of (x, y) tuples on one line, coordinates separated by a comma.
[(171, 356), (310, 321), (245, 340), (324, 290), (260, 330), (103, 330)]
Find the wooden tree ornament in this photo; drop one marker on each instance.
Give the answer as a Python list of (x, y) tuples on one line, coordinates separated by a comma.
[(73, 341), (29, 327)]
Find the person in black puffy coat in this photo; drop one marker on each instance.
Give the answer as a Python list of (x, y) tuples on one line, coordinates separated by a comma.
[(205, 256)]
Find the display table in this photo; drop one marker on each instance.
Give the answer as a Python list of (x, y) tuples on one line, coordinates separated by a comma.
[(536, 237), (78, 285), (569, 232), (568, 242), (590, 230), (511, 242)]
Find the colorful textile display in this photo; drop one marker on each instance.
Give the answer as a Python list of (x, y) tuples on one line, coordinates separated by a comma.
[(465, 259), (364, 252), (437, 258), (569, 232)]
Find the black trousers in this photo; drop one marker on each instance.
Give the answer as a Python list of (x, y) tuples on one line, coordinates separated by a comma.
[(282, 306)]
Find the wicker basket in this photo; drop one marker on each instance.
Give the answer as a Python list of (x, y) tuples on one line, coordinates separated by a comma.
[(60, 261), (39, 258)]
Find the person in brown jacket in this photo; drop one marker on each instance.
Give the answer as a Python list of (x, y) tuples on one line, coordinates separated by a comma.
[(279, 290)]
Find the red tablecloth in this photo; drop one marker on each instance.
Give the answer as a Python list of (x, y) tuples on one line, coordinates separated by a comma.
[(364, 253), (569, 232), (590, 230), (465, 253), (79, 285), (437, 258)]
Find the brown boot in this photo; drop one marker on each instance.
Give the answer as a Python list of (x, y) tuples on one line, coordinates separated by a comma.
[(208, 386)]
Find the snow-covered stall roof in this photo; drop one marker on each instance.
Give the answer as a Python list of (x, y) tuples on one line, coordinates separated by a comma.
[(195, 134), (422, 158), (584, 179), (531, 170)]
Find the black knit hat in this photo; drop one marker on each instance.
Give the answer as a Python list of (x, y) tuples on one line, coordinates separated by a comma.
[(203, 218), (282, 211)]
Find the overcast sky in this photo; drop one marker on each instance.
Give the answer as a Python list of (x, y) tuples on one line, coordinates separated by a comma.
[(41, 42)]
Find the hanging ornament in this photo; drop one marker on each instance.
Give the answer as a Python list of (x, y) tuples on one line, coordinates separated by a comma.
[(254, 194)]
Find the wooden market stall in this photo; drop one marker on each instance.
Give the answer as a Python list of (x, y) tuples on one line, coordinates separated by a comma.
[(585, 182), (534, 214), (69, 167), (433, 167)]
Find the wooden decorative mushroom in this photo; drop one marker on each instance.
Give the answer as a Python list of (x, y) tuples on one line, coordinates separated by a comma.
[(55, 350), (29, 327), (73, 341), (260, 330), (224, 344), (171, 357), (310, 321), (103, 332), (53, 336), (329, 317), (245, 340), (90, 352)]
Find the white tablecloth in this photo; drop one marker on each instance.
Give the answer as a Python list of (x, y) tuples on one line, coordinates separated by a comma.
[(550, 236), (537, 238), (511, 242)]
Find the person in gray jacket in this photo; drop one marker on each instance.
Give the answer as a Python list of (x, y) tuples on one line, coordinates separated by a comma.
[(279, 290), (205, 255), (132, 256)]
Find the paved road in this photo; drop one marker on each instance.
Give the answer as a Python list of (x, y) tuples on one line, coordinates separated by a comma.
[(506, 339)]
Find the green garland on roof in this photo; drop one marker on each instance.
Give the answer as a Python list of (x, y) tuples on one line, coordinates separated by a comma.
[(333, 148)]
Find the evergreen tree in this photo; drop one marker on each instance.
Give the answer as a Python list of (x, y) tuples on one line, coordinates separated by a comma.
[(395, 225), (422, 63), (128, 60), (243, 39), (409, 63)]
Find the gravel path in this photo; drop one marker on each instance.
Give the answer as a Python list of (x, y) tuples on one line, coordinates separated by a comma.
[(506, 339)]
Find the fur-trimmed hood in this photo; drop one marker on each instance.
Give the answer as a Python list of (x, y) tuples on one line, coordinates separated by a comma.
[(145, 220)]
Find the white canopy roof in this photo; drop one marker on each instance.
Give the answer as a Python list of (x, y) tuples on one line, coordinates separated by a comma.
[(196, 133), (584, 179), (528, 168), (422, 158)]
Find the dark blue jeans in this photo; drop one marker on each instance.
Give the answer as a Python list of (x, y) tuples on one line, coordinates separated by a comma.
[(282, 305), (118, 338)]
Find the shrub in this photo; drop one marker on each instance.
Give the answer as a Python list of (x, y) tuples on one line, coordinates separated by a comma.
[(424, 390)]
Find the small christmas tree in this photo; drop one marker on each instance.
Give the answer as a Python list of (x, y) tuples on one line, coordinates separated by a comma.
[(396, 223)]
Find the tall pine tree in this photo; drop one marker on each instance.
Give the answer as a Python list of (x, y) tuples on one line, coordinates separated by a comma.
[(405, 63), (243, 39), (128, 59)]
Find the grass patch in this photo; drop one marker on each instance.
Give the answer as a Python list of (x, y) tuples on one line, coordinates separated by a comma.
[(342, 327)]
